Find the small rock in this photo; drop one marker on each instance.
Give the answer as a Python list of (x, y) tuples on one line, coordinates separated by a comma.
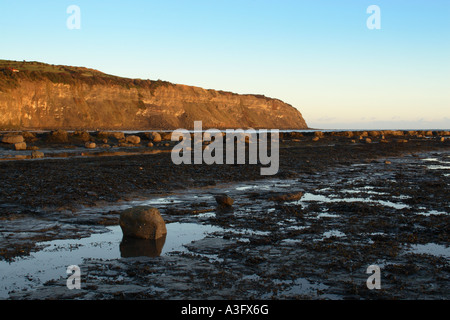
[(20, 146), (150, 144), (387, 162), (315, 139), (368, 140), (142, 223), (37, 154), (287, 197), (319, 134), (82, 135), (224, 200), (442, 139), (90, 145), (167, 136)]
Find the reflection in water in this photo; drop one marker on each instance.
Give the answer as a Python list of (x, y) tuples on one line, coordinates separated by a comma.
[(131, 247)]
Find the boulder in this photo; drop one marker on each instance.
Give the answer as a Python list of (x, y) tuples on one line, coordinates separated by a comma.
[(29, 136), (287, 197), (13, 139), (374, 133), (115, 135), (133, 139), (82, 135), (154, 136), (224, 201), (90, 145), (37, 154), (142, 223), (319, 134), (58, 136), (166, 136), (20, 146)]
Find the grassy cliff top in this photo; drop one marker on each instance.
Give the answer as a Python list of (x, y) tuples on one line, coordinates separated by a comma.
[(35, 71)]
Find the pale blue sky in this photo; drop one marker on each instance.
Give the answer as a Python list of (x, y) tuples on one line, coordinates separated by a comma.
[(317, 55)]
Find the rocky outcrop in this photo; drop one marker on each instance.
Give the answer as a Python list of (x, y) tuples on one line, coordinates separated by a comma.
[(60, 97)]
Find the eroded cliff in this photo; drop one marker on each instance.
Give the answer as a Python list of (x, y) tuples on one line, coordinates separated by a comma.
[(39, 96)]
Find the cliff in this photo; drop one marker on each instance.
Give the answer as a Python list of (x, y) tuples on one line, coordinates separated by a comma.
[(35, 95)]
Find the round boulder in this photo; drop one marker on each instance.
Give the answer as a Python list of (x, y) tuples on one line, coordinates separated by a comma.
[(142, 223), (90, 145)]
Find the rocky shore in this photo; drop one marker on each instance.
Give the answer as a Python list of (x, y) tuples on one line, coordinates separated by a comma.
[(340, 202)]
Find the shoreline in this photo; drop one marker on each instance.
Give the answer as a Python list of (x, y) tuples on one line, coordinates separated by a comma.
[(69, 198)]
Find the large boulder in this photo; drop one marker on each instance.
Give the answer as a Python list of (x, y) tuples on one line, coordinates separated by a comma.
[(142, 223), (12, 139)]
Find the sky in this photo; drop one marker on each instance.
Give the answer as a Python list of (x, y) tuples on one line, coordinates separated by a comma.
[(320, 56)]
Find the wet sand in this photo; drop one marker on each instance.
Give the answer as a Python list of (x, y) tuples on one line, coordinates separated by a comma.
[(363, 204)]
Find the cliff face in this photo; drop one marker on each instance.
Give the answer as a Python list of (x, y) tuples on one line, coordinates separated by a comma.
[(80, 99)]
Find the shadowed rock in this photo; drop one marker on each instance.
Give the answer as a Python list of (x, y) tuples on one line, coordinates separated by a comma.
[(224, 201), (287, 197), (142, 223)]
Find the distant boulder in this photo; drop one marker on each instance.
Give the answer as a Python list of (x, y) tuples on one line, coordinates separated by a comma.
[(115, 135), (90, 145), (58, 136), (133, 139), (154, 136), (287, 197), (12, 139), (82, 135), (37, 154), (224, 200), (20, 146)]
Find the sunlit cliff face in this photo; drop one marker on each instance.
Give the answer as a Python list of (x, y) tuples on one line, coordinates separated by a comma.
[(43, 104)]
